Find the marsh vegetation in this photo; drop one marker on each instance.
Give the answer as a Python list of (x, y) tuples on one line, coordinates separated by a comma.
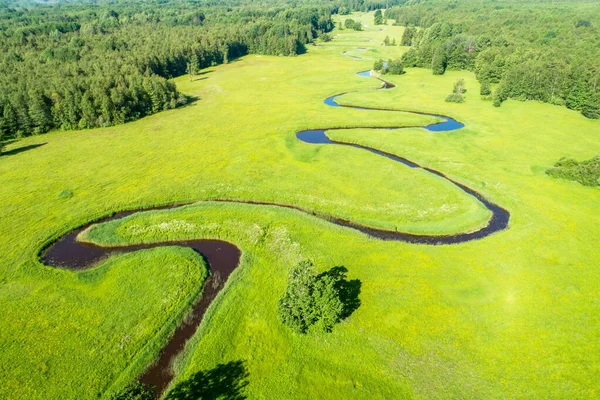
[(508, 316)]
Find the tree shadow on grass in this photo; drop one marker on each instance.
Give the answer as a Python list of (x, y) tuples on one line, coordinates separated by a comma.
[(21, 149), (348, 290), (225, 381), (190, 101)]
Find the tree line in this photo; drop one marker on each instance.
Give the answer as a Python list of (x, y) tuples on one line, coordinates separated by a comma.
[(538, 50), (84, 65)]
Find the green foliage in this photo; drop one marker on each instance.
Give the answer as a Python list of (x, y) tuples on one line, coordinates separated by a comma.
[(485, 89), (455, 98), (395, 67), (90, 72), (310, 302), (528, 50), (457, 92), (349, 23), (378, 65), (326, 37), (438, 62), (1, 136), (410, 58), (585, 172), (409, 289), (378, 18), (344, 11), (407, 36), (65, 194), (459, 86)]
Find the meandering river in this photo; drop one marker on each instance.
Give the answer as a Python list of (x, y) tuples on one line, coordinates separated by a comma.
[(223, 257)]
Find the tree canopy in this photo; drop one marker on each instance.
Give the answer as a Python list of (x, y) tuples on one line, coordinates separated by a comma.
[(542, 50), (73, 65)]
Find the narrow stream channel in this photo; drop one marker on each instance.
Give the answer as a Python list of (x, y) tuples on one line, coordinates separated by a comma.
[(223, 257)]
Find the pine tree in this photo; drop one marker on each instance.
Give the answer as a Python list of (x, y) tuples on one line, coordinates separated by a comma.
[(10, 120), (39, 111), (378, 18), (407, 36), (225, 52), (485, 89), (193, 65), (438, 64)]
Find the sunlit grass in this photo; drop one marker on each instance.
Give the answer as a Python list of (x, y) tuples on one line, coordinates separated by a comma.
[(512, 315)]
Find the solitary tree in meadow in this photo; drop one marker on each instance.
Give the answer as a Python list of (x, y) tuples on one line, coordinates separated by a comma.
[(378, 18), (311, 301)]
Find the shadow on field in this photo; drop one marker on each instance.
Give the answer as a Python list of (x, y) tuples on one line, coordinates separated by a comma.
[(348, 290), (21, 149), (225, 381), (190, 101)]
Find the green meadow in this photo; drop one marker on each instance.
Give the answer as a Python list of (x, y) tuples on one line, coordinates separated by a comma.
[(514, 315)]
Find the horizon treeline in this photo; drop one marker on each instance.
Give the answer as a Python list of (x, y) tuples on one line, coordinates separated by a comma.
[(534, 50), (84, 65)]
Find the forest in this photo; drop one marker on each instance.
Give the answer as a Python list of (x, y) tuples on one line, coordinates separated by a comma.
[(76, 65), (329, 206), (546, 51)]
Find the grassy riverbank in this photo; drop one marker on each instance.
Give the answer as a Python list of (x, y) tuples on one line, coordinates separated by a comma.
[(513, 315)]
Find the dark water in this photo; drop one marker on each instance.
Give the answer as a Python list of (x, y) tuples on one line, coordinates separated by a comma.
[(500, 216), (223, 257)]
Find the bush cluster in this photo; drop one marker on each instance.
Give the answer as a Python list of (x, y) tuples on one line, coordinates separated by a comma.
[(585, 172), (455, 98), (392, 67), (311, 302), (352, 24), (457, 93)]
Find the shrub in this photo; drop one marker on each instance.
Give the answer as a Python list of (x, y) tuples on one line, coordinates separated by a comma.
[(485, 89), (351, 24), (459, 86), (65, 194), (311, 302), (586, 172), (325, 37), (378, 18), (395, 67), (378, 65), (455, 98), (591, 113)]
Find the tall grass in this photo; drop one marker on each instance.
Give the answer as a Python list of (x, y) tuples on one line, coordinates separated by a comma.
[(510, 316)]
